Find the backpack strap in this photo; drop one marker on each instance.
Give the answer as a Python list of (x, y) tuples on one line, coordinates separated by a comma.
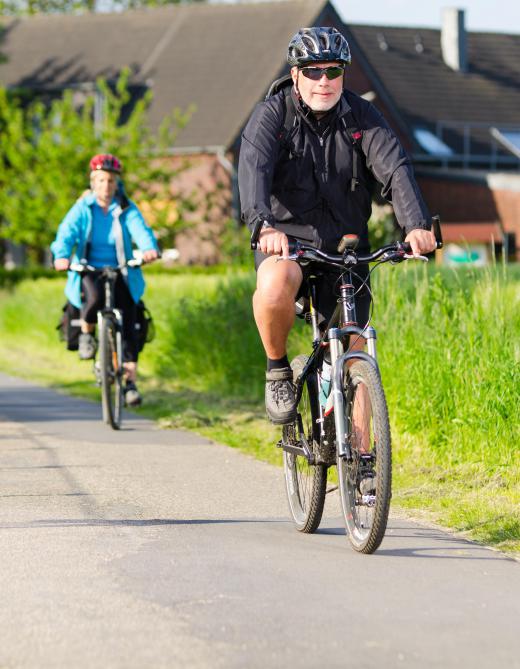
[(289, 112), (277, 85), (355, 136)]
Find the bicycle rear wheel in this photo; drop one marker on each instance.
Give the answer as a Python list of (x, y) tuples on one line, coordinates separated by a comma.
[(305, 484), (365, 482), (111, 372)]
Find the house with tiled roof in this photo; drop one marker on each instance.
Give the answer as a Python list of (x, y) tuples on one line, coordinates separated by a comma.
[(452, 96), (454, 99)]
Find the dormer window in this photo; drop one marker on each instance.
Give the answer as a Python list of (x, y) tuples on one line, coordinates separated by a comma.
[(431, 143), (509, 139)]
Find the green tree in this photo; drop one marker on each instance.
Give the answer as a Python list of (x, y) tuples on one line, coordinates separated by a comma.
[(21, 7), (44, 154)]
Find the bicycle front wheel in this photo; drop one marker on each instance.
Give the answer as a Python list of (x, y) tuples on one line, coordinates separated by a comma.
[(305, 483), (365, 482), (111, 372)]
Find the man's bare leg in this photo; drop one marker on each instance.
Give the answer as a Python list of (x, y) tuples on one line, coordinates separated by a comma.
[(273, 304), (278, 282)]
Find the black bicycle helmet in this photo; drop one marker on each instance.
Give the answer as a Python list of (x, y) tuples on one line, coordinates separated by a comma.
[(318, 45)]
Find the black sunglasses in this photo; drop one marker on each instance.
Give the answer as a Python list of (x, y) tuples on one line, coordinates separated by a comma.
[(316, 73)]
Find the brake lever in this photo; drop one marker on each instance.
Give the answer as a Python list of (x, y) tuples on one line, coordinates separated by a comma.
[(410, 256), (293, 256)]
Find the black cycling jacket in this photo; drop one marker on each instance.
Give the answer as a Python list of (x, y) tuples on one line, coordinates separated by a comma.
[(303, 178)]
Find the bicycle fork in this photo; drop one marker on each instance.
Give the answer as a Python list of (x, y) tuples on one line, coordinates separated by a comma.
[(339, 360), (119, 329)]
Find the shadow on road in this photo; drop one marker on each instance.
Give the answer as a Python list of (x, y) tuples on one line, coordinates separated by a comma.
[(450, 547), (150, 522)]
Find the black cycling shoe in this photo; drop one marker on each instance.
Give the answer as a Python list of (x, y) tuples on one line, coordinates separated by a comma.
[(280, 399), (132, 396)]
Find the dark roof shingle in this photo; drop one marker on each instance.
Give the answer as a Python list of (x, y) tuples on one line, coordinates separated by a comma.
[(423, 90), (217, 57)]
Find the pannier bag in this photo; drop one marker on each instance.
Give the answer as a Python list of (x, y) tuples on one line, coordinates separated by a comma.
[(144, 326), (69, 327)]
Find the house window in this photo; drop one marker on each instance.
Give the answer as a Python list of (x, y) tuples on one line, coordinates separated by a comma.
[(510, 139), (431, 143)]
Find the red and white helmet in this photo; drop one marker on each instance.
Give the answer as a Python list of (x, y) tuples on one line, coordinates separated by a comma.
[(106, 162)]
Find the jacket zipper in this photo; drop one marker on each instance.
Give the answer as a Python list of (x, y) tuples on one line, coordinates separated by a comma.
[(324, 171)]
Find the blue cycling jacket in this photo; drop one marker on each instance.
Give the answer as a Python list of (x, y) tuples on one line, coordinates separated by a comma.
[(74, 233)]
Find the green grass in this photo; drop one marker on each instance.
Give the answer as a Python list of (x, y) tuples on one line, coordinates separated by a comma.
[(449, 355)]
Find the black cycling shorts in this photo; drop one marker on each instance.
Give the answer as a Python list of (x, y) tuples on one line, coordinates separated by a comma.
[(328, 291), (93, 290)]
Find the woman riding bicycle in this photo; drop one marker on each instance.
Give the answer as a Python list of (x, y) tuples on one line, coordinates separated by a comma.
[(101, 228)]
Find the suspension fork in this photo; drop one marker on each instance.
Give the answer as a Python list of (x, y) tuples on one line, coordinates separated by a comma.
[(340, 358)]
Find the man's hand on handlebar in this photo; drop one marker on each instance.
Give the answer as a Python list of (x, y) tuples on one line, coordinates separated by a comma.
[(61, 264), (421, 241), (273, 242)]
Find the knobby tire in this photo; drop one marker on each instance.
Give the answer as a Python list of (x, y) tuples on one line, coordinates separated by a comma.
[(305, 484), (366, 515), (111, 373)]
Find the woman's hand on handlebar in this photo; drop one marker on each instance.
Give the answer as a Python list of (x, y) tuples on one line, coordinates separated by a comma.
[(421, 241), (273, 242), (61, 264), (150, 255)]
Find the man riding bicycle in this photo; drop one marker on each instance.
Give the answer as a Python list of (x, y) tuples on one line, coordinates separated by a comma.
[(100, 228), (312, 181)]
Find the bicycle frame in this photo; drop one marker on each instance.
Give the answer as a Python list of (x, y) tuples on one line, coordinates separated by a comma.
[(109, 276), (343, 323), (336, 337)]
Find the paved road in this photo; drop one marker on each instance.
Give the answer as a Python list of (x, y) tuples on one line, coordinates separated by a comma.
[(149, 548)]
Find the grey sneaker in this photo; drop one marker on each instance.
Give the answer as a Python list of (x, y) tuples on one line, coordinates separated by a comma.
[(97, 372), (280, 400), (132, 395), (87, 346)]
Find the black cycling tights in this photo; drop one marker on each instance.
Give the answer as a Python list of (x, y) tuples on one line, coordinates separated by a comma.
[(94, 299)]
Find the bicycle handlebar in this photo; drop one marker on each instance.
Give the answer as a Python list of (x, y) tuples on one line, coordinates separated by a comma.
[(82, 267), (347, 256)]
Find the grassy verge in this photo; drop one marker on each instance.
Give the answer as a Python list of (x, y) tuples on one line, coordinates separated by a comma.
[(450, 361)]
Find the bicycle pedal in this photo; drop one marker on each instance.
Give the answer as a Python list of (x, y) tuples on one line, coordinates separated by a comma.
[(368, 500)]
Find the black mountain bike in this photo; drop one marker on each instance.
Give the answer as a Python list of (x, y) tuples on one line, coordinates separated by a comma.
[(342, 416), (109, 368)]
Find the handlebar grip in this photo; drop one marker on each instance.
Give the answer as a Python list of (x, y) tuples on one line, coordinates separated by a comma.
[(293, 245), (436, 226), (77, 267), (256, 233)]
